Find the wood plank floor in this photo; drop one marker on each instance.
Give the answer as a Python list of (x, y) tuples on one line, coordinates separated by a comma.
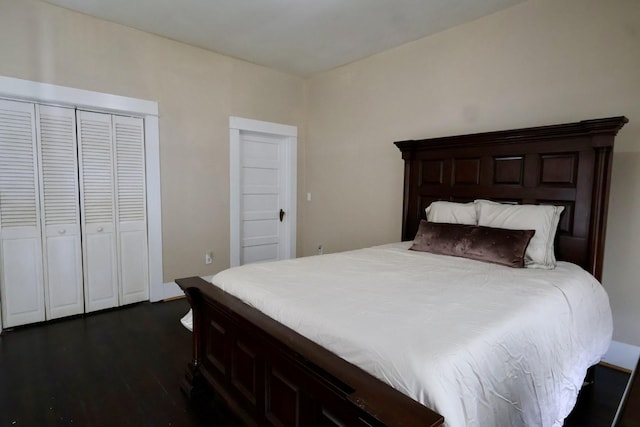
[(115, 368), (123, 367)]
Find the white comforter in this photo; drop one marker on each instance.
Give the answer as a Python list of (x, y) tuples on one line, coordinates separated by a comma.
[(482, 344)]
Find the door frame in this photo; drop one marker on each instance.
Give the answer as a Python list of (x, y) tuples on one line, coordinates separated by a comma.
[(289, 135)]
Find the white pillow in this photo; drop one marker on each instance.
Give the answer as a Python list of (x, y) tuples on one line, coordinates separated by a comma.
[(452, 213), (542, 218)]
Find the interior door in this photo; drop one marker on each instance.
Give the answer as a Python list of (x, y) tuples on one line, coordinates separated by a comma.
[(60, 201), (21, 276), (263, 211), (97, 204)]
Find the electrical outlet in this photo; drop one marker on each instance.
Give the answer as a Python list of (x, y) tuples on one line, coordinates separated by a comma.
[(208, 257), (320, 249)]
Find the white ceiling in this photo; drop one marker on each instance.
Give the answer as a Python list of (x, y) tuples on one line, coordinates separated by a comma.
[(297, 36)]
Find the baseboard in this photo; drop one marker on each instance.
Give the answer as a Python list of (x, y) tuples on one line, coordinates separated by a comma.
[(172, 290), (621, 355)]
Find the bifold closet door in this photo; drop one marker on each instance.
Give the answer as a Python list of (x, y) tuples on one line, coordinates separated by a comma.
[(59, 198), (130, 209), (113, 209), (97, 206), (21, 273)]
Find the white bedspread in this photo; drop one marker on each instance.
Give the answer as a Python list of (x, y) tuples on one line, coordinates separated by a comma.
[(482, 344)]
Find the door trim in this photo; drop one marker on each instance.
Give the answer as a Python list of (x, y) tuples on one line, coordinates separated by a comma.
[(289, 136)]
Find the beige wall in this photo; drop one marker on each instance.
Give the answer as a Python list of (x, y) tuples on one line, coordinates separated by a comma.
[(197, 91), (537, 63)]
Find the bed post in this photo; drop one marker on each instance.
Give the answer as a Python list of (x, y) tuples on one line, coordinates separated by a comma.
[(600, 207), (193, 384), (406, 156), (603, 132)]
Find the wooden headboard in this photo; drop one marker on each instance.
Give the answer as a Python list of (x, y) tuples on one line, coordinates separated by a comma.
[(567, 165)]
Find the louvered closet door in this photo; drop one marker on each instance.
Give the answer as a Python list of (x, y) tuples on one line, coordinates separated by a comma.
[(21, 280), (59, 198), (130, 208), (97, 204)]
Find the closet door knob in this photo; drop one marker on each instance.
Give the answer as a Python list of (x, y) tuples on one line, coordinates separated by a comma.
[(100, 229), (62, 231)]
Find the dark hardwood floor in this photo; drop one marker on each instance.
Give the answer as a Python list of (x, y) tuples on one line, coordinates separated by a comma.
[(123, 367), (598, 403), (115, 368)]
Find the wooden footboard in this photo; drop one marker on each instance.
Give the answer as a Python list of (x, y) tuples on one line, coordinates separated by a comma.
[(270, 375)]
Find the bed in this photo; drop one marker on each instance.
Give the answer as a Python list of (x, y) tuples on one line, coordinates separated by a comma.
[(268, 374)]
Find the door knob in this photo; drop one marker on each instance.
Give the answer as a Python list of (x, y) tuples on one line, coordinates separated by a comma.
[(62, 231), (100, 229), (281, 215)]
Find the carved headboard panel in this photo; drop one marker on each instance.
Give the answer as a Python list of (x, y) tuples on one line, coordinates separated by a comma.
[(567, 165)]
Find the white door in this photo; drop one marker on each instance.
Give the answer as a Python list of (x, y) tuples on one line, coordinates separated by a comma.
[(262, 198), (130, 208), (263, 213), (97, 205), (21, 277), (59, 198)]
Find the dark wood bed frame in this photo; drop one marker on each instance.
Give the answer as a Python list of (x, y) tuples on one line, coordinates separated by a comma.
[(269, 375)]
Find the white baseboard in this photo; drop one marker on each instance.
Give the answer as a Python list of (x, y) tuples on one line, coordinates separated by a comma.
[(622, 355), (172, 290)]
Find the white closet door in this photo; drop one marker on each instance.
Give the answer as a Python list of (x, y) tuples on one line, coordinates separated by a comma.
[(21, 281), (59, 198), (95, 149), (130, 208)]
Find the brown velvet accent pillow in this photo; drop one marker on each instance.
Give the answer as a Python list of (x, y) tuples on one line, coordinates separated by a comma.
[(496, 245)]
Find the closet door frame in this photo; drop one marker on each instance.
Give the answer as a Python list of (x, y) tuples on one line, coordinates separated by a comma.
[(44, 93)]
